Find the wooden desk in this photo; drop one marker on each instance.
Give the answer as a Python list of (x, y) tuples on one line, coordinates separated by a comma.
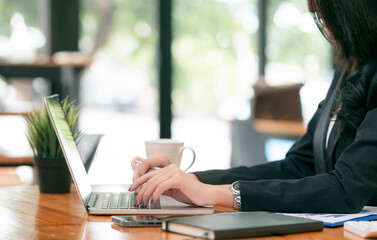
[(27, 214)]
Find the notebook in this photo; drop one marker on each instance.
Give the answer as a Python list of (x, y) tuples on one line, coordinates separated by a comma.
[(107, 203), (240, 225)]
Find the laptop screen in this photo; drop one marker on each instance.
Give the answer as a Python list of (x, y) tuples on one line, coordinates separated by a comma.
[(68, 145)]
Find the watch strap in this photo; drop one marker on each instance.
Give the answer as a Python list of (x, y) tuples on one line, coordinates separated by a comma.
[(236, 191)]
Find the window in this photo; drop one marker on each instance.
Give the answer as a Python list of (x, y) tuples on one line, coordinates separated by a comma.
[(119, 90), (297, 52), (20, 30), (215, 62)]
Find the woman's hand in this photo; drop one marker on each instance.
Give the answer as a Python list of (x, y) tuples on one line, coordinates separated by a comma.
[(141, 165), (172, 181)]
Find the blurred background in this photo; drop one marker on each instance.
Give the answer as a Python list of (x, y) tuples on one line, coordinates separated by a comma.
[(144, 70)]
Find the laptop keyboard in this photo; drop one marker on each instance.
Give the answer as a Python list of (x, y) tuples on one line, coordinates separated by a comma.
[(125, 201)]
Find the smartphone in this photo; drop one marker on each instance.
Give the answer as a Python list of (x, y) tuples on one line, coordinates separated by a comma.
[(136, 220)]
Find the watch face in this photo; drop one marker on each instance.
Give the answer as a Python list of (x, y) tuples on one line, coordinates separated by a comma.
[(236, 186)]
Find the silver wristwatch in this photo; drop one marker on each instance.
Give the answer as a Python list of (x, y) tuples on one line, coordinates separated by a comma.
[(235, 188)]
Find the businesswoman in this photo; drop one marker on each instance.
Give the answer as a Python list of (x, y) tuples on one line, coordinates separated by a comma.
[(332, 168)]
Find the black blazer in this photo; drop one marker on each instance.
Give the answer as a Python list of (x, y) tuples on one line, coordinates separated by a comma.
[(341, 178)]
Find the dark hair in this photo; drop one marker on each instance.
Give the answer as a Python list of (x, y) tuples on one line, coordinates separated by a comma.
[(353, 24)]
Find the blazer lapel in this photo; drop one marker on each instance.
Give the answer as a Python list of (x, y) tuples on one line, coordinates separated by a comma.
[(319, 138), (333, 140), (319, 141), (322, 163)]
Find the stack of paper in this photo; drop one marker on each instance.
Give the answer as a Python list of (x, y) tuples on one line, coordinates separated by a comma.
[(336, 220)]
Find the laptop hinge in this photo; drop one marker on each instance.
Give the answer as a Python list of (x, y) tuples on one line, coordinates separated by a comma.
[(92, 201)]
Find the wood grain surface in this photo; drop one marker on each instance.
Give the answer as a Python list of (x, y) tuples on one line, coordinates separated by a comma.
[(27, 214)]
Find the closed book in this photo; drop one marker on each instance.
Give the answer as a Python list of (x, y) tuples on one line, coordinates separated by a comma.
[(240, 225)]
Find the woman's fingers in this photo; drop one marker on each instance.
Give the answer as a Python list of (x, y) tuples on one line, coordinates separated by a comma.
[(149, 188), (156, 182), (136, 161), (142, 179), (159, 160), (138, 172), (170, 179), (163, 187), (135, 166), (142, 166)]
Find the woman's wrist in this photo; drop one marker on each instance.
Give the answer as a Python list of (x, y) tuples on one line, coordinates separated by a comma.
[(220, 195), (216, 195), (194, 176)]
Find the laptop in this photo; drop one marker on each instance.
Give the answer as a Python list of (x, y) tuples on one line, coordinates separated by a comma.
[(107, 202)]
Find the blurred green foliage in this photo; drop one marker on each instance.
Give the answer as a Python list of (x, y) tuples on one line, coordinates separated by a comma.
[(205, 51), (123, 37), (28, 8), (211, 39), (292, 45)]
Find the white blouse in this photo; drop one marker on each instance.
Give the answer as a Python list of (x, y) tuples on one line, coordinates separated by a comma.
[(329, 129)]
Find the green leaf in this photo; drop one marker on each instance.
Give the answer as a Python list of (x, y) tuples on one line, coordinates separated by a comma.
[(40, 131)]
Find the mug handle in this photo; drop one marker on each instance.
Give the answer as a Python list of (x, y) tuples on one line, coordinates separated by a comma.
[(193, 156)]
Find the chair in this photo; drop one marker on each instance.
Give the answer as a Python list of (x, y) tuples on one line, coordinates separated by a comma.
[(276, 113)]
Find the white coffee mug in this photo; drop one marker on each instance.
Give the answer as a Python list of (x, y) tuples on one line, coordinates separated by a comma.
[(173, 149)]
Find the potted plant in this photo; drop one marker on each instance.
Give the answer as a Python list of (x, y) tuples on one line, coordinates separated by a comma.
[(52, 173)]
